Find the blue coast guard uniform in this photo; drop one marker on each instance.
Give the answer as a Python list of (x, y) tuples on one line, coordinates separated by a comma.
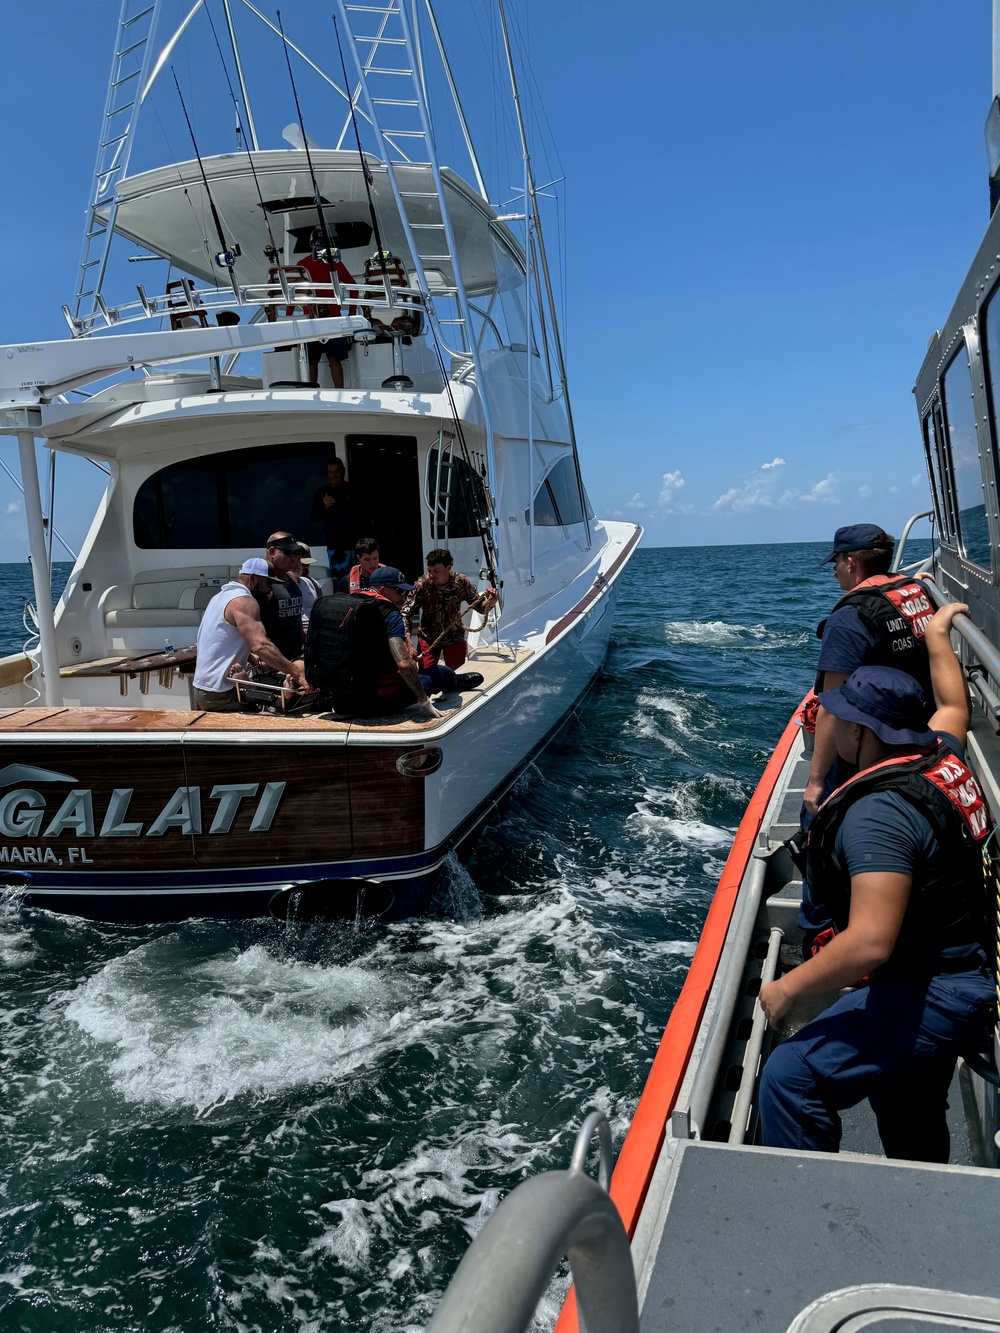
[(895, 1040)]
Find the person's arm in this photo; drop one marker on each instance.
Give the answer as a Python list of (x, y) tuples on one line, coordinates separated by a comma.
[(878, 902), (952, 712), (410, 676), (824, 747), (244, 614), (406, 611)]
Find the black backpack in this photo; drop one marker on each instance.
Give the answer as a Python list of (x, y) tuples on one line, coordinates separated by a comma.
[(346, 648)]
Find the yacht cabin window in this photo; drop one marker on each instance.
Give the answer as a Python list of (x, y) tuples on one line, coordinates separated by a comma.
[(960, 414), (557, 500), (232, 499)]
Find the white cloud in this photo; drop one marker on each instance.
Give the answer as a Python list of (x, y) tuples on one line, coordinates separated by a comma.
[(617, 513), (823, 490), (637, 502), (775, 462), (919, 480), (761, 492), (14, 507), (670, 488), (864, 491)]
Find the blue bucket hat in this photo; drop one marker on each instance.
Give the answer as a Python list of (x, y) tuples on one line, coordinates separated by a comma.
[(858, 537), (387, 576), (889, 702)]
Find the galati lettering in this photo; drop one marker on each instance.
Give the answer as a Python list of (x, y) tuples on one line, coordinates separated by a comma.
[(26, 813)]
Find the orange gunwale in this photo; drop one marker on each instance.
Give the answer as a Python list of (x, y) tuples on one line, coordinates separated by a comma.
[(637, 1160)]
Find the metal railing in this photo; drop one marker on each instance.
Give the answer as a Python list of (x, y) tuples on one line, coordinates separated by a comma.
[(897, 561), (265, 295), (510, 1263)]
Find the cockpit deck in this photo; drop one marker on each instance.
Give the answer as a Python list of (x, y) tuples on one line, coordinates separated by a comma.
[(492, 663)]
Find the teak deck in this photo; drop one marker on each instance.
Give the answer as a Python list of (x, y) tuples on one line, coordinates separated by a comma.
[(493, 664)]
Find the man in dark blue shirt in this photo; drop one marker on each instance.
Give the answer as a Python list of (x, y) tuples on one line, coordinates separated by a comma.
[(895, 857)]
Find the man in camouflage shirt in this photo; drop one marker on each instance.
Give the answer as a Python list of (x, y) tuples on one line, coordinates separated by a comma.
[(440, 594)]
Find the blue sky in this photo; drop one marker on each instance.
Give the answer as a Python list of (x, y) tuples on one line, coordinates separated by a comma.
[(768, 209)]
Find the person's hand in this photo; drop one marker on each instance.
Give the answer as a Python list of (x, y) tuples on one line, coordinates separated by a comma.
[(812, 797), (237, 672), (328, 501), (941, 621), (296, 678), (428, 711), (490, 598), (775, 1002)]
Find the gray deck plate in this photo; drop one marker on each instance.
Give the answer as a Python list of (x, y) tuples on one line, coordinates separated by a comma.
[(752, 1235)]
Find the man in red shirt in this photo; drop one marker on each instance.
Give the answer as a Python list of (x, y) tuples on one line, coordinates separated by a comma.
[(334, 349)]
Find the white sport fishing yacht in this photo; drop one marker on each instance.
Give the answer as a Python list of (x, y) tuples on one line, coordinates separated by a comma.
[(700, 1229), (118, 798)]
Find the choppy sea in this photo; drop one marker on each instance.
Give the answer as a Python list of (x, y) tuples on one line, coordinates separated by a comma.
[(254, 1126)]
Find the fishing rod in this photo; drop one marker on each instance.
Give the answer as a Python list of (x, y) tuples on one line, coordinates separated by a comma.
[(271, 250), (305, 144), (227, 255)]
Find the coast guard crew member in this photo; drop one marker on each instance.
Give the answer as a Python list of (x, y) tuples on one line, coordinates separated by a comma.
[(879, 622), (895, 858)]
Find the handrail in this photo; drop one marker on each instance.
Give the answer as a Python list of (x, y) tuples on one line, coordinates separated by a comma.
[(598, 1121), (505, 1271), (897, 559), (265, 294), (751, 1056), (975, 638)]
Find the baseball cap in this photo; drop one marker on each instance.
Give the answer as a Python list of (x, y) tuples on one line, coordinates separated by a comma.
[(255, 565), (887, 701), (858, 537), (387, 576), (306, 556), (288, 545)]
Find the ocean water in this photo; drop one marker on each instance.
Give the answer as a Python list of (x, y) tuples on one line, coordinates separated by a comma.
[(253, 1126)]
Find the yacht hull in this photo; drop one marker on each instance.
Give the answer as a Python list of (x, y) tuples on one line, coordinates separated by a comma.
[(146, 827)]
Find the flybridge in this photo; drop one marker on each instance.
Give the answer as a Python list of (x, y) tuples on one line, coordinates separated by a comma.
[(33, 373)]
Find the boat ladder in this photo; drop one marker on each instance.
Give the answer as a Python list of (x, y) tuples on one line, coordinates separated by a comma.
[(389, 66), (127, 87)]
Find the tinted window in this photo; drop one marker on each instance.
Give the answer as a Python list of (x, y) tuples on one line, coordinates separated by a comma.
[(565, 490), (234, 499), (454, 497), (966, 468), (557, 500), (546, 514)]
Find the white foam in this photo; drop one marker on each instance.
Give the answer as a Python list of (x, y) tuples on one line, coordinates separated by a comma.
[(241, 1023), (682, 830), (720, 634)]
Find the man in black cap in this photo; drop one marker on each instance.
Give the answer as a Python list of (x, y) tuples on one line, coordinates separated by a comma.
[(878, 622), (895, 858), (356, 653), (282, 613)]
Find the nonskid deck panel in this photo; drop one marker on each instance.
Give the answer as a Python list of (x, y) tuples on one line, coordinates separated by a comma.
[(754, 1235)]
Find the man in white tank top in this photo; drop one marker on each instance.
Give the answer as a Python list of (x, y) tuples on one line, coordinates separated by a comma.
[(230, 630)]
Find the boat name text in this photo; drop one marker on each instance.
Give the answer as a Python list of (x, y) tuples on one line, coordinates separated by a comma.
[(24, 810)]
